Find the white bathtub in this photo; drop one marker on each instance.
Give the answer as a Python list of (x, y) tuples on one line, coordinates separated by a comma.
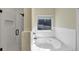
[(67, 36)]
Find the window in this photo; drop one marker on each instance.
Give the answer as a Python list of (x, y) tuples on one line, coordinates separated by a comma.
[(44, 23)]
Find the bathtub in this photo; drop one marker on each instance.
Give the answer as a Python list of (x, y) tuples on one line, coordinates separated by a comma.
[(66, 36)]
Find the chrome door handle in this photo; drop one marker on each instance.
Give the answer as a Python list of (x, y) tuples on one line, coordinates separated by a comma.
[(17, 32)]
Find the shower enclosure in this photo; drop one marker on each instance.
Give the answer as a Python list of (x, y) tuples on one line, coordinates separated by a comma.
[(11, 26)]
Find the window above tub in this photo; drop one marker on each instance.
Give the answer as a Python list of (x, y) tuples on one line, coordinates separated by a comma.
[(44, 22)]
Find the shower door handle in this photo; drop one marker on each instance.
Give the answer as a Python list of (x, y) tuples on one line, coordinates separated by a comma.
[(17, 32)]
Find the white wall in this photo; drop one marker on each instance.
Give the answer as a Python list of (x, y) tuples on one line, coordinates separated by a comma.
[(65, 18)]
